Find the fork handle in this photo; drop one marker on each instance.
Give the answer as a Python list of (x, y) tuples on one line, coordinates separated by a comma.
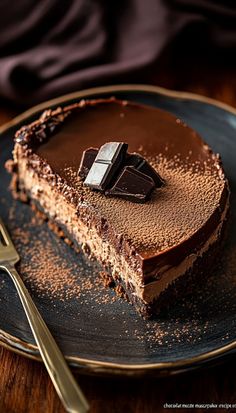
[(61, 376)]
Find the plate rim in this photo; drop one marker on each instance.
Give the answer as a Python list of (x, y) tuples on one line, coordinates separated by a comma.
[(85, 93), (29, 350)]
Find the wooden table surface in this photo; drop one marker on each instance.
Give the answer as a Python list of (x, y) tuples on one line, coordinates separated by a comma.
[(24, 384)]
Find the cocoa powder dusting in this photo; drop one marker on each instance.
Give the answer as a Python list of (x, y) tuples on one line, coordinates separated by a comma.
[(42, 268), (174, 213), (46, 274)]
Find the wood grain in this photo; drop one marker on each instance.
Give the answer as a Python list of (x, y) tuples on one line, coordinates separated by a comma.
[(24, 384), (25, 388)]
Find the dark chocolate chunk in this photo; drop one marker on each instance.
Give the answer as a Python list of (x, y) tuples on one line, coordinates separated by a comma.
[(143, 166), (147, 169), (133, 159), (87, 161), (132, 185), (107, 162)]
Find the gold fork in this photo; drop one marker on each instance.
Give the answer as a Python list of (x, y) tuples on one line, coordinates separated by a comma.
[(61, 376)]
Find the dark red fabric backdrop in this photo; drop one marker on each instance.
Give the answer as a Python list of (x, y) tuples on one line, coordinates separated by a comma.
[(51, 47)]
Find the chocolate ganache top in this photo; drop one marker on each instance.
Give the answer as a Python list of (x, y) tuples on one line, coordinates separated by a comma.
[(182, 214)]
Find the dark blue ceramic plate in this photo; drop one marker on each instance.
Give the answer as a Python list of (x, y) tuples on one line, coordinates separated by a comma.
[(95, 330)]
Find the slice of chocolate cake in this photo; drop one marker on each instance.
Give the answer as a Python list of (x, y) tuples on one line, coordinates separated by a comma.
[(153, 246)]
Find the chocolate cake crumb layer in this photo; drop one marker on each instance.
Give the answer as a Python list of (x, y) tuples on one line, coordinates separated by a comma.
[(147, 246)]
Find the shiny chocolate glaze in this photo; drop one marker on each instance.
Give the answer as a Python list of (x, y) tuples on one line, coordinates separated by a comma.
[(150, 132)]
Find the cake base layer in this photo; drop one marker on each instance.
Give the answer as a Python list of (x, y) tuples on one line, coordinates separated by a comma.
[(186, 285), (182, 288)]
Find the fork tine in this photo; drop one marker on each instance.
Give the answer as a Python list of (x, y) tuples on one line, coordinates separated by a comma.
[(4, 236), (8, 251), (1, 235)]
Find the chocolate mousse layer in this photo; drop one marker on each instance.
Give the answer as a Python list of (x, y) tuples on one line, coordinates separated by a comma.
[(146, 247)]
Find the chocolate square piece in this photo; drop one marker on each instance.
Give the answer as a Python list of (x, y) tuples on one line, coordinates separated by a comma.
[(143, 166), (132, 185), (88, 157), (107, 162)]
